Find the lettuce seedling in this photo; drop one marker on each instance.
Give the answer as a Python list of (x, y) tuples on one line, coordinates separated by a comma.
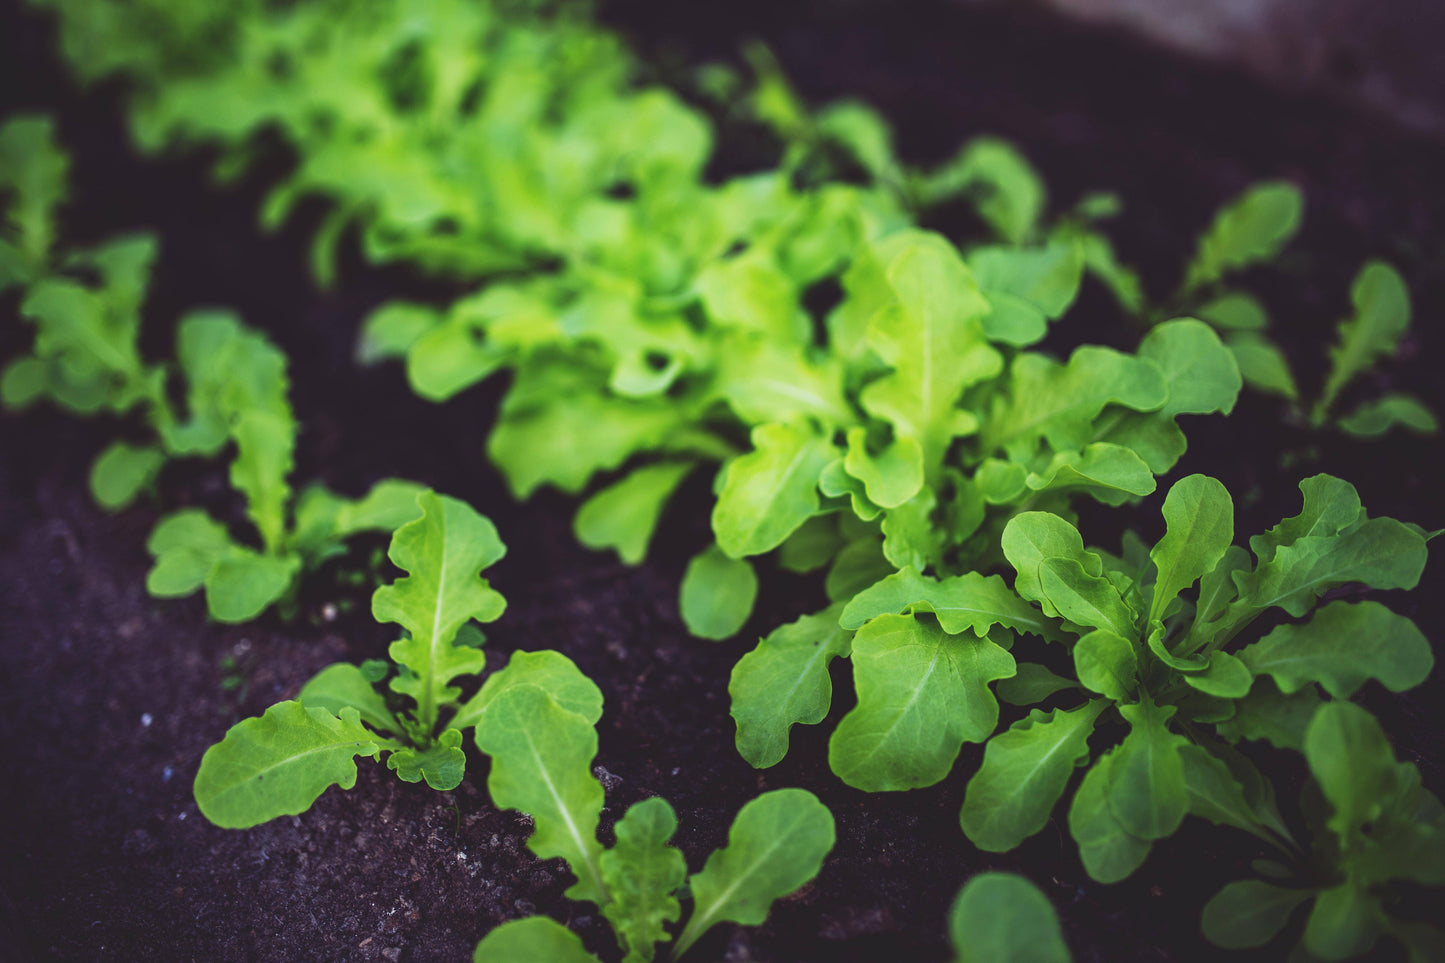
[(1376, 830), (279, 763), (1169, 663), (536, 720)]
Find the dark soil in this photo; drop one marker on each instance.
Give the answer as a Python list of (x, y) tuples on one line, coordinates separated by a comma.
[(110, 697)]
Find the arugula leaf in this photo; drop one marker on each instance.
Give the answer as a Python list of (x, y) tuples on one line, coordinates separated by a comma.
[(1003, 918), (1147, 792), (1375, 418), (776, 844), (1024, 772), (1382, 315), (1009, 194), (965, 602), (1344, 645), (1199, 517), (1108, 850), (1250, 228), (33, 171), (1249, 913)]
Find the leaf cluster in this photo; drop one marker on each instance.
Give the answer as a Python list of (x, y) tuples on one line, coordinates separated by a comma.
[(280, 762)]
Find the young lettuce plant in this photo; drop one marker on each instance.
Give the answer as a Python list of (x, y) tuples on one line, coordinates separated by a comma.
[(537, 722), (1376, 831), (1168, 662), (279, 763), (968, 452)]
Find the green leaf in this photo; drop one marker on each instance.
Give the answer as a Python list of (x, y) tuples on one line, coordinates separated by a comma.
[(1351, 759), (1249, 229), (967, 602), (33, 170), (242, 584), (1381, 553), (922, 693), (783, 682), (1147, 791), (1008, 192), (1199, 523), (122, 472), (770, 491), (1025, 770), (1107, 664), (1084, 599), (1026, 287), (1382, 315), (1342, 647), (1109, 852), (776, 844), (1111, 473), (444, 551), (531, 940), (1030, 539), (1224, 677), (717, 594), (342, 685), (1201, 377), (1003, 918), (932, 338), (278, 764), (892, 476), (557, 426), (392, 328), (1375, 418), (624, 515), (1268, 714), (1262, 364), (186, 545), (1235, 311), (1032, 684), (911, 536), (1059, 403), (1248, 913), (1344, 923), (265, 442), (1215, 794), (442, 763), (1331, 506), (542, 765), (641, 872), (548, 670)]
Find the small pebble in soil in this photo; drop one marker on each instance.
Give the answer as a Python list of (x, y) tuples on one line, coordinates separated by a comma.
[(609, 781), (524, 907), (145, 720), (166, 774)]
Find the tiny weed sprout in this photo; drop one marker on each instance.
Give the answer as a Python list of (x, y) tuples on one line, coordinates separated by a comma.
[(279, 763)]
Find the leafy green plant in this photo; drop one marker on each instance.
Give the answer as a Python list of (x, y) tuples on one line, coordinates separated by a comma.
[(541, 739), (279, 763), (1175, 670), (1375, 830)]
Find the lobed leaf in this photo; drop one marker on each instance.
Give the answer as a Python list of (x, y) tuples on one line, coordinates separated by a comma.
[(768, 493), (641, 873), (277, 764), (921, 694)]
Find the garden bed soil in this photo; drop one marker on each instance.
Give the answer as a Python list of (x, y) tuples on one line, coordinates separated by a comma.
[(110, 697)]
